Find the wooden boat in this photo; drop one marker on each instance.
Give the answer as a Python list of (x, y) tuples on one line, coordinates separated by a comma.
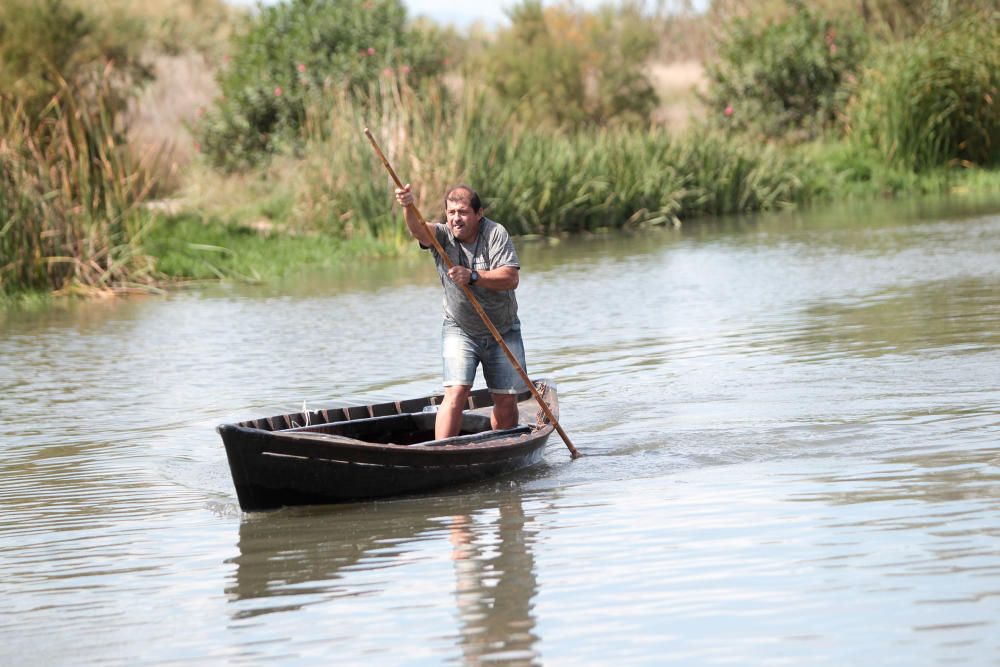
[(379, 450)]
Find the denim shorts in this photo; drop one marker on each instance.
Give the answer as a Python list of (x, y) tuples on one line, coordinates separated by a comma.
[(462, 353)]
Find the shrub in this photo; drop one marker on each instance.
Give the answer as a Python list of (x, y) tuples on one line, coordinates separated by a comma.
[(933, 99), (566, 67), (48, 45), (302, 54), (785, 77)]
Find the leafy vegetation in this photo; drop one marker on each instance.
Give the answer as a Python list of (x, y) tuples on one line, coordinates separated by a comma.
[(298, 55), (51, 47), (932, 99), (565, 67), (551, 118), (787, 77)]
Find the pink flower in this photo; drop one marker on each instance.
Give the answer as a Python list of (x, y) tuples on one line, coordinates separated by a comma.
[(371, 50), (728, 111), (301, 68), (406, 70), (197, 147), (387, 72), (277, 91), (833, 49)]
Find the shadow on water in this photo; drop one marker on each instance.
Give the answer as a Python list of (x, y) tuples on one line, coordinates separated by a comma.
[(298, 557)]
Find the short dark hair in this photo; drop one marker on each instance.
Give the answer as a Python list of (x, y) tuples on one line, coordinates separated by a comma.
[(472, 200)]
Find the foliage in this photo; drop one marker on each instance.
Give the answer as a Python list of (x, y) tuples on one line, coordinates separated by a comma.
[(69, 197), (298, 55), (535, 181), (933, 99), (904, 18), (567, 68), (173, 27), (200, 247), (50, 45), (787, 77)]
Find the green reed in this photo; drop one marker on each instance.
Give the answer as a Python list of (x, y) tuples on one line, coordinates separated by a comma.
[(536, 182), (69, 199), (932, 100)]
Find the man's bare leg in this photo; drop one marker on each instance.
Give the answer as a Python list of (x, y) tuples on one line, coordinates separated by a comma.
[(449, 415), (504, 411)]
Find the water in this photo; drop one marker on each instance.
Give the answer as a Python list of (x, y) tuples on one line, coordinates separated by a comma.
[(792, 435)]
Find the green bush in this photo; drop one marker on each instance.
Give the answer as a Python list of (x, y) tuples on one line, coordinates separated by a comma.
[(566, 67), (299, 55), (50, 45), (933, 99), (786, 78)]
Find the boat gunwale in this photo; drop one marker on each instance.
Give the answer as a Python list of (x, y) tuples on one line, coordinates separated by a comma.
[(478, 399)]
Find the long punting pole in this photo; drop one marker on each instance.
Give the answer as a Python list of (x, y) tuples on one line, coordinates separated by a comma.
[(479, 309)]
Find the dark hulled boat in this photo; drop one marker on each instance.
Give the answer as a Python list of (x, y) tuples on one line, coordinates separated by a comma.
[(379, 450)]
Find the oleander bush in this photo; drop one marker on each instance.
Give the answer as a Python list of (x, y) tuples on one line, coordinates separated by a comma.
[(786, 77)]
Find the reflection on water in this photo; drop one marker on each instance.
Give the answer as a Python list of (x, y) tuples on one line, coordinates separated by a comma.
[(495, 584), (307, 556), (790, 425)]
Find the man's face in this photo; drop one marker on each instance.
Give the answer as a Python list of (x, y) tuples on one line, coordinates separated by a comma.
[(463, 220)]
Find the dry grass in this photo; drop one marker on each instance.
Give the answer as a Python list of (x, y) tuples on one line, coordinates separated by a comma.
[(160, 117), (677, 84)]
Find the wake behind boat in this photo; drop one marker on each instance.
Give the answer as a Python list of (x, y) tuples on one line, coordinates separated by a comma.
[(379, 450)]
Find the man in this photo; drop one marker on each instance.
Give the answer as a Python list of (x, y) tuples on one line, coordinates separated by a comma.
[(484, 259)]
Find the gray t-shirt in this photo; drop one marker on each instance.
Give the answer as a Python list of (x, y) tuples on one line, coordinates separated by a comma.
[(491, 249)]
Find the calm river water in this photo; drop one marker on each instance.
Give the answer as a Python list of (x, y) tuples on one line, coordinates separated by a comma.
[(792, 436)]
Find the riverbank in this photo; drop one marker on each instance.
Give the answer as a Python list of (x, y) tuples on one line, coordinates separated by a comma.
[(258, 249), (253, 244), (282, 177)]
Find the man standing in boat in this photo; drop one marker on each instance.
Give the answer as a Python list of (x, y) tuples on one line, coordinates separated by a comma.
[(485, 260)]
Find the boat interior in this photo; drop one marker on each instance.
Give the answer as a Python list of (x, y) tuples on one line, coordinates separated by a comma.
[(405, 429), (402, 422)]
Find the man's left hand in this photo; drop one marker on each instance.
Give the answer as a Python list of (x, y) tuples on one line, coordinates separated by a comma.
[(459, 275)]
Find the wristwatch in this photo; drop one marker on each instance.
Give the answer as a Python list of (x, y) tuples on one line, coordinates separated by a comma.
[(473, 277)]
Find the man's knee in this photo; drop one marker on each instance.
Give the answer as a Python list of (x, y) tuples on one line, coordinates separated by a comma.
[(457, 393), (504, 411)]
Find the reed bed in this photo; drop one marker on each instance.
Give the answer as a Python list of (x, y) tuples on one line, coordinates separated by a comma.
[(70, 220), (933, 99), (536, 182)]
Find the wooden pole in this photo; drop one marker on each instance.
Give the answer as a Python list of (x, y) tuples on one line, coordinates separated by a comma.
[(479, 309)]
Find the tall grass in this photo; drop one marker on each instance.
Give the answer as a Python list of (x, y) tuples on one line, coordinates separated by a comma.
[(535, 182), (69, 198), (934, 99)]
